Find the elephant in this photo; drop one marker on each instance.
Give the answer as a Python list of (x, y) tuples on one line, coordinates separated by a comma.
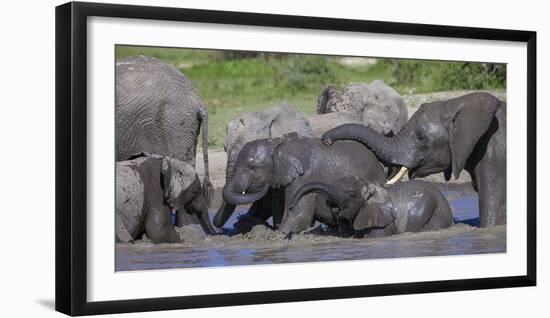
[(467, 132), (148, 187), (273, 122), (374, 210), (376, 105), (157, 110), (281, 166)]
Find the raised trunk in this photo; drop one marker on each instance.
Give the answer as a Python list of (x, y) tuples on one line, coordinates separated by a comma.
[(232, 197), (330, 193), (389, 150)]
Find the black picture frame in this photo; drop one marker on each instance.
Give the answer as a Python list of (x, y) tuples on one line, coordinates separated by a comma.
[(71, 157)]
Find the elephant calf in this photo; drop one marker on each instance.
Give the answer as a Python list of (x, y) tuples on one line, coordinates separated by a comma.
[(148, 187), (375, 210)]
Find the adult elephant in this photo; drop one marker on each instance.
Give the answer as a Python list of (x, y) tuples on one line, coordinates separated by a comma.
[(376, 105), (468, 132), (284, 165), (157, 110), (373, 210), (148, 187)]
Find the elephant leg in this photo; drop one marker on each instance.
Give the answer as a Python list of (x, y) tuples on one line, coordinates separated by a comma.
[(184, 218), (300, 218), (261, 209), (277, 206), (323, 212), (492, 196), (122, 233), (159, 228), (259, 213), (383, 232)]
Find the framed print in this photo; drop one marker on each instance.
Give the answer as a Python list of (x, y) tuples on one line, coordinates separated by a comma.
[(209, 158)]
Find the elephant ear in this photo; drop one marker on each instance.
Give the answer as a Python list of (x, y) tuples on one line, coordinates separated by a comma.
[(287, 168), (176, 177), (323, 98), (469, 119), (378, 209), (290, 162), (374, 215)]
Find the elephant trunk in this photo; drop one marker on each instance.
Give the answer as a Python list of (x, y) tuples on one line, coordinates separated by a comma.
[(224, 213), (231, 196), (199, 207), (204, 220), (393, 151), (330, 193)]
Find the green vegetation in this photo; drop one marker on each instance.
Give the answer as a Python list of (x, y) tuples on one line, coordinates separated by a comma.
[(231, 82)]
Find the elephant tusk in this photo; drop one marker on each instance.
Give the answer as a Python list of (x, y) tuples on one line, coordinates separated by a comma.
[(398, 176)]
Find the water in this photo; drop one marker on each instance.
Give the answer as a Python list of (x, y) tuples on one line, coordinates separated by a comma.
[(263, 246)]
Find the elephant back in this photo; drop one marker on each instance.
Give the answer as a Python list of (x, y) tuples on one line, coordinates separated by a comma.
[(157, 110), (376, 105), (151, 78), (273, 122)]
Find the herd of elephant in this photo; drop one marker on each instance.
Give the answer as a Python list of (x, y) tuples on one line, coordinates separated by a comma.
[(340, 167)]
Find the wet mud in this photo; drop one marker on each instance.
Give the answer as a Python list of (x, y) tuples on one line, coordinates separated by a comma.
[(264, 246)]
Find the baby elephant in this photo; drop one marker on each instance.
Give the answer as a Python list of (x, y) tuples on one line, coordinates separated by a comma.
[(376, 210), (148, 187)]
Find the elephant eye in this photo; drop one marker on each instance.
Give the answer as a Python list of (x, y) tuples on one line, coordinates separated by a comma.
[(422, 138)]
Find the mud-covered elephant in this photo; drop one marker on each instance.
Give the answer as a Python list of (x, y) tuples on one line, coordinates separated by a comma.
[(157, 110), (273, 122), (148, 187), (373, 210), (282, 165), (468, 132), (376, 105)]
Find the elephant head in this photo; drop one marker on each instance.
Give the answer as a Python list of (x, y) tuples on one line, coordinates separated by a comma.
[(358, 204), (261, 165), (273, 122), (182, 191), (439, 137)]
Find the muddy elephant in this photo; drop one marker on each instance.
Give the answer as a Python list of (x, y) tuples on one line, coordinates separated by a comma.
[(157, 110), (282, 166), (148, 188), (273, 122), (468, 132), (373, 210), (376, 105)]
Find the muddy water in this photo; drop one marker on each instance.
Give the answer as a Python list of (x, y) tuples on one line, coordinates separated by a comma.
[(263, 246)]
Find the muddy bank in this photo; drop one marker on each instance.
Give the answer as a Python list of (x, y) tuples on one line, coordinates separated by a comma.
[(264, 246)]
